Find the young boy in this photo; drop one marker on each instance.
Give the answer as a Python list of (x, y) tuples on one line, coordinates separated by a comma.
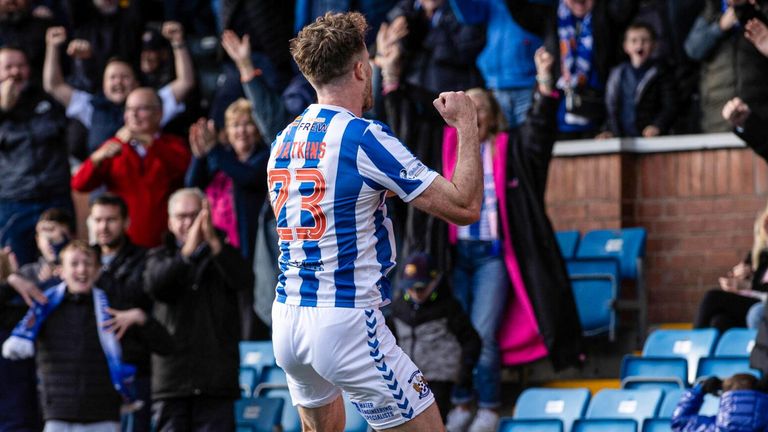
[(83, 378), (433, 329), (742, 406), (640, 95)]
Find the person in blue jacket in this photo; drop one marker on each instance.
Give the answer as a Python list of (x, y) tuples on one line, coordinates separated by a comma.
[(743, 408)]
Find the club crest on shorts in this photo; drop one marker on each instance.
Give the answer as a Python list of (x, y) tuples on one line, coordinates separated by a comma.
[(419, 383)]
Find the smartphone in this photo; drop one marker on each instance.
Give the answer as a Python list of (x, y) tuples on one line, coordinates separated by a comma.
[(748, 11)]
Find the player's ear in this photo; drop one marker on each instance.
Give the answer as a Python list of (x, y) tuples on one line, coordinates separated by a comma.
[(359, 70)]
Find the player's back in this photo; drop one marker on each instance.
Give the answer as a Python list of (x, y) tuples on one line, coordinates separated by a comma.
[(328, 173)]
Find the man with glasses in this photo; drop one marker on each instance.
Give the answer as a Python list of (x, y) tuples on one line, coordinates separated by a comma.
[(194, 279), (140, 165)]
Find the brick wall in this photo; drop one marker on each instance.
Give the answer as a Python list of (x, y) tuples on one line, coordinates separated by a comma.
[(698, 207)]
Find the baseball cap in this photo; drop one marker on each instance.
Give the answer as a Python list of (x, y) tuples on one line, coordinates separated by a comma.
[(418, 271)]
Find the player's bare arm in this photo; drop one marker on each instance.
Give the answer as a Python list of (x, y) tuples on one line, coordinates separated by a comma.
[(459, 200)]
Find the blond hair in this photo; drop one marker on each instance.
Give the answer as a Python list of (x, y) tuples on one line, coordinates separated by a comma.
[(326, 49), (237, 108), (80, 246), (498, 121), (760, 242)]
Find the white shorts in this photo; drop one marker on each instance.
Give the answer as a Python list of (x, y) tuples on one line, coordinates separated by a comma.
[(326, 350)]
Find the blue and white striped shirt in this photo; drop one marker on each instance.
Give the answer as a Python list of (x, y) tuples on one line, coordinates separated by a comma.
[(329, 172)]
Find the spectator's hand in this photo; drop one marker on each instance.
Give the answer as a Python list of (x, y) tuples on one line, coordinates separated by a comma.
[(79, 49), (174, 32), (202, 137), (8, 263), (757, 32), (736, 112), (728, 20), (604, 135), (712, 385), (209, 232), (42, 12), (108, 150), (55, 36), (742, 271), (391, 34), (194, 236), (651, 131), (28, 291), (239, 50), (457, 109), (9, 94), (122, 320)]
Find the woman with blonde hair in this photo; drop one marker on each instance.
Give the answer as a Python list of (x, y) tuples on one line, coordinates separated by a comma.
[(744, 286)]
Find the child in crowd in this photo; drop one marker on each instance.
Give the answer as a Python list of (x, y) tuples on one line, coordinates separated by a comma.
[(742, 407), (74, 335), (433, 329), (640, 96)]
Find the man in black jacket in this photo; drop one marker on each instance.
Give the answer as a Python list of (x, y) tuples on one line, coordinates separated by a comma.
[(33, 158), (193, 279)]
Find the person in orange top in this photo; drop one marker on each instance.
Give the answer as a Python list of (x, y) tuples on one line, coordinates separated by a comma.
[(140, 165)]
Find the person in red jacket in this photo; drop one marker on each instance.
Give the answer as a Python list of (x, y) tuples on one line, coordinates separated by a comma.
[(140, 165)]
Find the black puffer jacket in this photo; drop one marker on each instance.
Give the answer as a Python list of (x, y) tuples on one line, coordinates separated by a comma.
[(196, 300), (33, 154), (74, 375), (437, 335), (655, 99)]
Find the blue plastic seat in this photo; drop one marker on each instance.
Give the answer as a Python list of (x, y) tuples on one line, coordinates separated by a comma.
[(260, 414), (256, 354), (567, 241), (290, 420), (637, 405), (710, 406), (627, 245), (355, 422), (605, 425), (689, 344), (723, 367), (668, 405), (248, 379), (532, 425), (595, 285), (736, 342), (657, 425), (659, 372), (564, 405)]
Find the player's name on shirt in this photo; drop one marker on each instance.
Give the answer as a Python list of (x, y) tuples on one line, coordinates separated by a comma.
[(314, 150)]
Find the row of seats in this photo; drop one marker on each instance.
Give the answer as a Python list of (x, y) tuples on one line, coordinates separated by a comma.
[(677, 358), (597, 264), (572, 410), (266, 401)]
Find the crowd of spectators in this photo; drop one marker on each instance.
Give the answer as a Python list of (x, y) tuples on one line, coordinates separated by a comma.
[(133, 100)]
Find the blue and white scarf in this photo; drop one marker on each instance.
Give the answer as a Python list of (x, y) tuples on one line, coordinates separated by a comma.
[(21, 343), (576, 48)]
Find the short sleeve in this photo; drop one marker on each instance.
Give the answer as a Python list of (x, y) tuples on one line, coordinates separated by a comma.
[(383, 159), (171, 107), (80, 107)]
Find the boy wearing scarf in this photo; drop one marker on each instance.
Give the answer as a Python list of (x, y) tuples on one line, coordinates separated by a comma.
[(83, 380)]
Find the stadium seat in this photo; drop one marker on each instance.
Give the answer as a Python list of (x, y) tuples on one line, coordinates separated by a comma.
[(256, 354), (290, 420), (627, 246), (355, 422), (711, 405), (595, 285), (259, 414), (653, 372), (668, 405), (637, 405), (657, 425), (563, 405), (689, 344), (567, 241), (248, 379), (534, 425), (723, 367), (271, 377), (605, 425), (736, 342)]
